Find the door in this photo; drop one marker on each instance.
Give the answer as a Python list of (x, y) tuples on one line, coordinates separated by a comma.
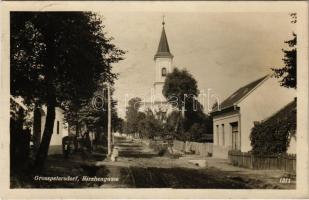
[(235, 136)]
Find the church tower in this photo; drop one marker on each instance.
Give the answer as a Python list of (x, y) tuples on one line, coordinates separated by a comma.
[(163, 65)]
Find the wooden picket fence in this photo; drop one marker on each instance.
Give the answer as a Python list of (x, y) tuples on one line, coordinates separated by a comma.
[(246, 159)]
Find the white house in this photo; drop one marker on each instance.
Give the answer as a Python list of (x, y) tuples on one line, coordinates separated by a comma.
[(236, 115), (37, 119), (59, 131)]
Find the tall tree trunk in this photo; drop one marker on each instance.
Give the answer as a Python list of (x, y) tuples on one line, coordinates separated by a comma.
[(77, 129), (178, 121), (109, 123), (49, 62), (47, 134)]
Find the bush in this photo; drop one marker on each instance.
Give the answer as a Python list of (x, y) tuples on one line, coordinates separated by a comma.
[(162, 152), (273, 135), (159, 146)]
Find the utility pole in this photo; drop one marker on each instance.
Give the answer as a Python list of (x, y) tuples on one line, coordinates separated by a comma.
[(109, 118)]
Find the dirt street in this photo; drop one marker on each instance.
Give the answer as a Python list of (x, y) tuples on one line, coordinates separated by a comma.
[(139, 166)]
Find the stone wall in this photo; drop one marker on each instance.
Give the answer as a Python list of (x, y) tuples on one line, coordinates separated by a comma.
[(220, 151)]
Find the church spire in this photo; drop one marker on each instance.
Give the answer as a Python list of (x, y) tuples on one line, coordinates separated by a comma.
[(163, 48), (163, 22)]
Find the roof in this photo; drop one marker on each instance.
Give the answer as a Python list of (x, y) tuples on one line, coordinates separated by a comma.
[(241, 93), (163, 48), (286, 112)]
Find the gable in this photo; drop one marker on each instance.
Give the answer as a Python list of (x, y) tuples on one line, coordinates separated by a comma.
[(241, 93)]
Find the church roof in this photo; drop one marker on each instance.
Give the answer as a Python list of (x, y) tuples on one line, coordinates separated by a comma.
[(163, 48), (240, 94)]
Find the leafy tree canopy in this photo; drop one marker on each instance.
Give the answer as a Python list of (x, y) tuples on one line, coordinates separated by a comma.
[(133, 115), (59, 59), (180, 88), (273, 135), (150, 126), (288, 72), (65, 54)]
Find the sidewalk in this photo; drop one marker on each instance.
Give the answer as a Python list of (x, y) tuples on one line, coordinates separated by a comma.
[(266, 177)]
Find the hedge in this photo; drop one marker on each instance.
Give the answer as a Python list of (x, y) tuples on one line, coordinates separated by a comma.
[(272, 136)]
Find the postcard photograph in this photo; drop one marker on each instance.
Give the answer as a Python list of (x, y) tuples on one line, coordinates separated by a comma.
[(103, 98)]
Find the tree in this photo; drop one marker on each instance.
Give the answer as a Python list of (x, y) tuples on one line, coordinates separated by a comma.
[(58, 59), (133, 115), (288, 72), (118, 124), (180, 88), (149, 125), (174, 124), (273, 135), (197, 131), (94, 115)]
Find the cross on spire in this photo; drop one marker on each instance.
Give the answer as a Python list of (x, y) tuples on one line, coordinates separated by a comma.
[(163, 48), (163, 22)]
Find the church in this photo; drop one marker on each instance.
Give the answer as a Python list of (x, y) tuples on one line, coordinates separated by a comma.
[(163, 59)]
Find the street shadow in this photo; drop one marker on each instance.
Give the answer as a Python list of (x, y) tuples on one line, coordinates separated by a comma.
[(130, 154), (130, 149), (99, 157), (128, 145), (92, 170), (184, 178)]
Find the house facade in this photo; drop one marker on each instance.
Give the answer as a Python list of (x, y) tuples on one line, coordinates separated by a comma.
[(37, 120), (60, 129), (236, 115)]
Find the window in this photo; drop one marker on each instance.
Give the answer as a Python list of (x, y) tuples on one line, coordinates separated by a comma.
[(223, 135), (58, 127), (163, 71)]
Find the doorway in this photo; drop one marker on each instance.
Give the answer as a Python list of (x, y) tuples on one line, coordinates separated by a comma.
[(235, 136)]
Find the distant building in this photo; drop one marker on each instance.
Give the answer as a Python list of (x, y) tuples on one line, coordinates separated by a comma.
[(163, 65), (236, 115)]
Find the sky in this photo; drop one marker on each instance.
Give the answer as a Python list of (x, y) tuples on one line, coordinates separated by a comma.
[(223, 51)]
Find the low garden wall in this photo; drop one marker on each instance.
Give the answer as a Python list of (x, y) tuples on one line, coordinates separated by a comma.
[(203, 149), (159, 146)]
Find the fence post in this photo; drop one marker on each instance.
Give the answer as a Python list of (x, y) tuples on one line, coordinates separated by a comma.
[(285, 163), (251, 161)]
